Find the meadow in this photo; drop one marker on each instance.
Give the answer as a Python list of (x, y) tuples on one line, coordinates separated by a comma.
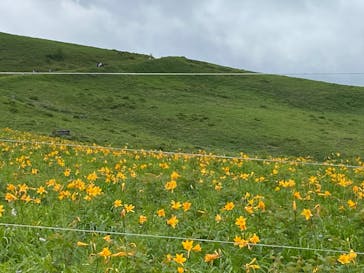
[(261, 115), (68, 205), (120, 210)]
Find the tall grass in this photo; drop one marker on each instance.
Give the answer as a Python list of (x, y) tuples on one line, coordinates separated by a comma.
[(197, 198)]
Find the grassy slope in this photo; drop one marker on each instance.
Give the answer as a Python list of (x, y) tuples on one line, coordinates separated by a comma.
[(259, 115), (55, 186)]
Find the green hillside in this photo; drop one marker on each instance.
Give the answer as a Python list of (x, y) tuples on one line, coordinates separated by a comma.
[(73, 209), (18, 53), (225, 114)]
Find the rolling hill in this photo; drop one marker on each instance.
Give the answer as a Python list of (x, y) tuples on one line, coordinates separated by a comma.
[(258, 115)]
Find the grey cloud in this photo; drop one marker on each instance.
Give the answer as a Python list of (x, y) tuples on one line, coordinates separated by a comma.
[(260, 35)]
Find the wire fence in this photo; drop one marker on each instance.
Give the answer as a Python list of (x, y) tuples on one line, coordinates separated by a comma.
[(138, 73), (178, 73), (242, 158), (170, 153), (167, 237)]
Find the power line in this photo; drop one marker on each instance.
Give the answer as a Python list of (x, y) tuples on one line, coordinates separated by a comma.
[(283, 161), (155, 236)]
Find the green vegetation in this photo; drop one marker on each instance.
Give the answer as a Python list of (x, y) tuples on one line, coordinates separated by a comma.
[(196, 198), (19, 53), (225, 114), (237, 201)]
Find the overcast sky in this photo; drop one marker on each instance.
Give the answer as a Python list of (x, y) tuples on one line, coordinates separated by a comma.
[(278, 36)]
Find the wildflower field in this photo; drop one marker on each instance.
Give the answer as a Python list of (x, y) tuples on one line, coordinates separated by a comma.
[(94, 209)]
